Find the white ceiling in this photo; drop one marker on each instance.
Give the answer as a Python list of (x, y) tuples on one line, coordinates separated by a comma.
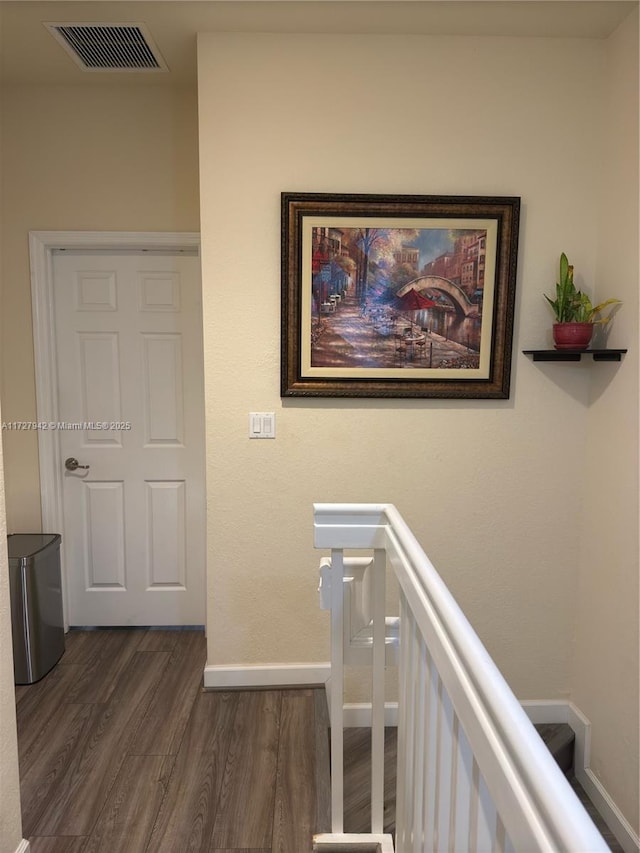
[(29, 54)]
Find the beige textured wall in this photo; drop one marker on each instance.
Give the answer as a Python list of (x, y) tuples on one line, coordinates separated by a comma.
[(105, 157), (495, 507), (10, 817), (606, 668)]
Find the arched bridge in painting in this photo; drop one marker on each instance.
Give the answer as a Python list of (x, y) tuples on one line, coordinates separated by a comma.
[(461, 302)]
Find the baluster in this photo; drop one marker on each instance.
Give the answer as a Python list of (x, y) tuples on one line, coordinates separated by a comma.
[(411, 699), (487, 819), (445, 752), (472, 846), (461, 796), (451, 831), (377, 692), (337, 690), (404, 738), (419, 676), (431, 754)]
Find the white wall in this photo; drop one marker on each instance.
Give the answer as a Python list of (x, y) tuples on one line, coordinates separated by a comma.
[(494, 490), (606, 664)]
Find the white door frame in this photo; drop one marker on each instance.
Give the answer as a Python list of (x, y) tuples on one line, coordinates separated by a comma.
[(41, 247)]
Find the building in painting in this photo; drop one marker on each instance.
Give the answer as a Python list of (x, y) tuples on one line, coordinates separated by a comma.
[(326, 245), (407, 255), (464, 266)]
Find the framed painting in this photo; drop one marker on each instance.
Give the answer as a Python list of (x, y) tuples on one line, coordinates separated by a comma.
[(398, 296)]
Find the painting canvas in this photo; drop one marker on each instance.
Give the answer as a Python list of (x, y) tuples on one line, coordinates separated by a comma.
[(398, 296)]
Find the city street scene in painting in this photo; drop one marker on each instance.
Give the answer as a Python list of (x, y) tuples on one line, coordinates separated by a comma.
[(397, 297)]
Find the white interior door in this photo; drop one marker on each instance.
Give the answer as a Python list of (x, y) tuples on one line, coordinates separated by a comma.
[(131, 408)]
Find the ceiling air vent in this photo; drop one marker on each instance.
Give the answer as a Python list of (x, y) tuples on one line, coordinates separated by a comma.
[(109, 47)]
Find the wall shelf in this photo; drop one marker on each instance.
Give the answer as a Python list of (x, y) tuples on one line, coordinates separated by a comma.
[(574, 354)]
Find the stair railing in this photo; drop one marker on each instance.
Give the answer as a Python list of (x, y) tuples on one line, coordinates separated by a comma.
[(472, 772)]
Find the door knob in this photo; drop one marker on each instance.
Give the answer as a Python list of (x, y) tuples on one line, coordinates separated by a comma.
[(71, 464)]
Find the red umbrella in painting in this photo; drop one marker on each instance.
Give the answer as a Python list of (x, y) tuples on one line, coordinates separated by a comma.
[(413, 300)]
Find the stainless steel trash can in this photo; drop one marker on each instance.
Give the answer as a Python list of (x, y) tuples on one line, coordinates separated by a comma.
[(36, 604)]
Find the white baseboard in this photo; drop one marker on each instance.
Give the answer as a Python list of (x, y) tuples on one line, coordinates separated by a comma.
[(542, 711), (339, 842), (563, 711), (266, 676), (23, 847), (358, 715), (611, 814)]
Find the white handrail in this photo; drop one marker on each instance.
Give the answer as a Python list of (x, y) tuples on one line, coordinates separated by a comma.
[(464, 739)]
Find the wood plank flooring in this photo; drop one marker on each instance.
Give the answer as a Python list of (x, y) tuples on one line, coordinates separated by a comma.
[(122, 751), (357, 780)]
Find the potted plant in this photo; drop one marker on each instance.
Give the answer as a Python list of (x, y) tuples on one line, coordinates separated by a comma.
[(574, 312)]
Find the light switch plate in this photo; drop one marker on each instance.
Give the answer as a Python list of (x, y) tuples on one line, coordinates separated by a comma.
[(262, 425)]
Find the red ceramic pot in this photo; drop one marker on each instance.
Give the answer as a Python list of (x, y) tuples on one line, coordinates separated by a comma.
[(572, 335)]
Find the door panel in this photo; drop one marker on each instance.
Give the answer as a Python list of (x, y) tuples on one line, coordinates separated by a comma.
[(164, 395), (103, 523), (131, 407)]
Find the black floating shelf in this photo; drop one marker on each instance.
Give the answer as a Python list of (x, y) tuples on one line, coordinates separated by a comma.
[(574, 354)]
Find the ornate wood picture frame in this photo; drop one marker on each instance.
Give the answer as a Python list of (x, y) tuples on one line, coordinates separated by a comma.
[(398, 296)]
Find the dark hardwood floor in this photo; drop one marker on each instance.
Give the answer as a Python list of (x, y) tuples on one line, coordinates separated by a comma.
[(357, 780), (122, 750)]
